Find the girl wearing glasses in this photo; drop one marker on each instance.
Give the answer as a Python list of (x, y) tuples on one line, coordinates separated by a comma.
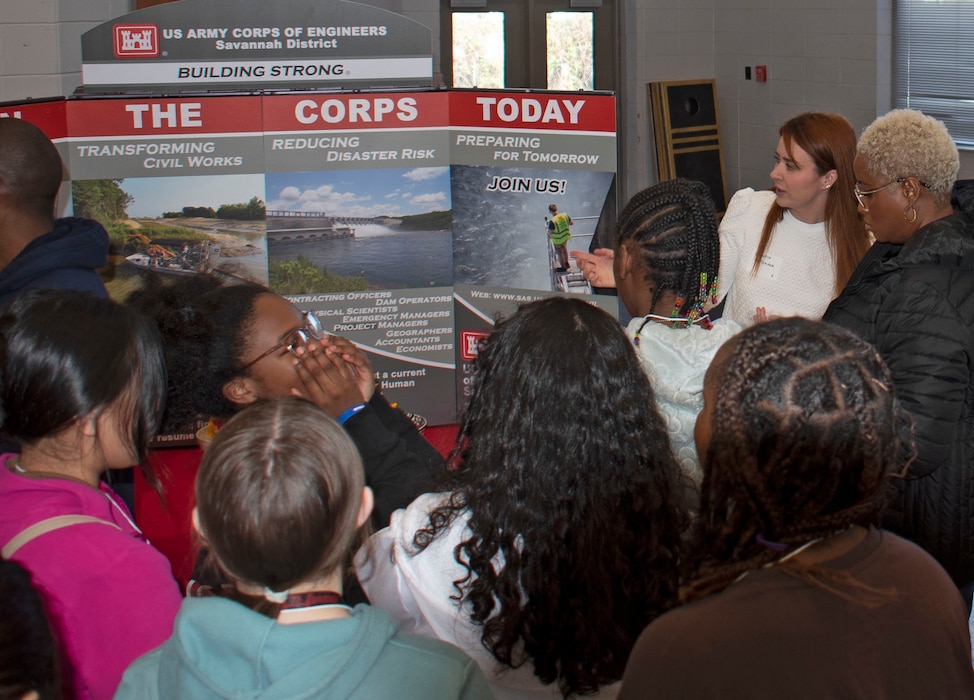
[(82, 387), (229, 345), (789, 250), (912, 296)]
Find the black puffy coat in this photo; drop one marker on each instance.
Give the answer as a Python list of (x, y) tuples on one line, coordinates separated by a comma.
[(915, 303)]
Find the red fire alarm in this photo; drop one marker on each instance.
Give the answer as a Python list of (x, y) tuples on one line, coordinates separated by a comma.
[(761, 74)]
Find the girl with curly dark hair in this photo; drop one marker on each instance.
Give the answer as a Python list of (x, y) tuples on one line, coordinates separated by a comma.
[(792, 590), (558, 537)]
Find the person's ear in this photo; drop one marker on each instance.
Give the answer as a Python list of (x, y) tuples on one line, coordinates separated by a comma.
[(88, 425), (830, 179), (365, 507), (196, 524), (911, 189), (240, 391), (624, 264)]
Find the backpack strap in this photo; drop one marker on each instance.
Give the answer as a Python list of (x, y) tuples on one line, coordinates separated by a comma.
[(45, 526)]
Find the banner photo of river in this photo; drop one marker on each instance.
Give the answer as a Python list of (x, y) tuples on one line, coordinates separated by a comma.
[(381, 256), (356, 230)]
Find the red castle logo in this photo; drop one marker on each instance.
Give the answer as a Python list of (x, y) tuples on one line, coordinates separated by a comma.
[(136, 41)]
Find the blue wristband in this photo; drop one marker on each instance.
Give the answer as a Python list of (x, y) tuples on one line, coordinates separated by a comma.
[(358, 408)]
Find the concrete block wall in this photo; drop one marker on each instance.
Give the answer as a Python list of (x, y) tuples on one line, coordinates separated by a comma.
[(40, 43), (821, 55), (825, 55)]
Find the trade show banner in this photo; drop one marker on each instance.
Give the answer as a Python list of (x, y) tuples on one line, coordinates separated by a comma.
[(518, 160), (302, 145), (358, 230), (197, 45), (408, 221)]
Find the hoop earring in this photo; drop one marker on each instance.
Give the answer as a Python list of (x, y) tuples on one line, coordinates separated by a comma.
[(910, 221)]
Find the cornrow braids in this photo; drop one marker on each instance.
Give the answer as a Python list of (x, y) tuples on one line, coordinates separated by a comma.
[(674, 225), (806, 431)]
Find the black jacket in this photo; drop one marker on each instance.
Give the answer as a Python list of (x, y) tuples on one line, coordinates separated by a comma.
[(66, 257), (915, 303), (400, 464)]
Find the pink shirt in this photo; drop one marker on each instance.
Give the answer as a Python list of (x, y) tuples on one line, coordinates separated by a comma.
[(110, 595)]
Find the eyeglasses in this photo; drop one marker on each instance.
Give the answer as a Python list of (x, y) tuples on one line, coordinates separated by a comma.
[(860, 194), (299, 336)]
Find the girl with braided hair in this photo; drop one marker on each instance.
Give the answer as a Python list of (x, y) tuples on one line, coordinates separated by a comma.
[(557, 539), (792, 590), (665, 258)]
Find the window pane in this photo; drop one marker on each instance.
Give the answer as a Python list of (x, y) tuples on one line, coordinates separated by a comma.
[(571, 58), (935, 62), (478, 49)]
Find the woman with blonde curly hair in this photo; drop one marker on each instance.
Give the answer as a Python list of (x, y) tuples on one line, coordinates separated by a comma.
[(912, 296)]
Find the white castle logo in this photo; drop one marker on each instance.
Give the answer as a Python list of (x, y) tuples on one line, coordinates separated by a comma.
[(136, 41)]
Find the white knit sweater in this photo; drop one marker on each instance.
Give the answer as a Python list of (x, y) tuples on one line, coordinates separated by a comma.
[(797, 274)]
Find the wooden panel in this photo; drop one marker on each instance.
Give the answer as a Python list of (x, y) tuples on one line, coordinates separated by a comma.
[(686, 133)]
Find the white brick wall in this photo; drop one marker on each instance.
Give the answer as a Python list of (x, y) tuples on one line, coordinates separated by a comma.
[(40, 43), (821, 55)]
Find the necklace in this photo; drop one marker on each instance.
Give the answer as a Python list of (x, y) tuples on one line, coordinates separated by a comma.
[(794, 553), (673, 322), (13, 464), (313, 600)]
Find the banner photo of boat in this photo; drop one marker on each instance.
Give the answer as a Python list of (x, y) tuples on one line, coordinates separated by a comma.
[(178, 184)]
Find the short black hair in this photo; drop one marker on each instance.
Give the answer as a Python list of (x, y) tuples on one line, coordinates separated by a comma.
[(30, 167)]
